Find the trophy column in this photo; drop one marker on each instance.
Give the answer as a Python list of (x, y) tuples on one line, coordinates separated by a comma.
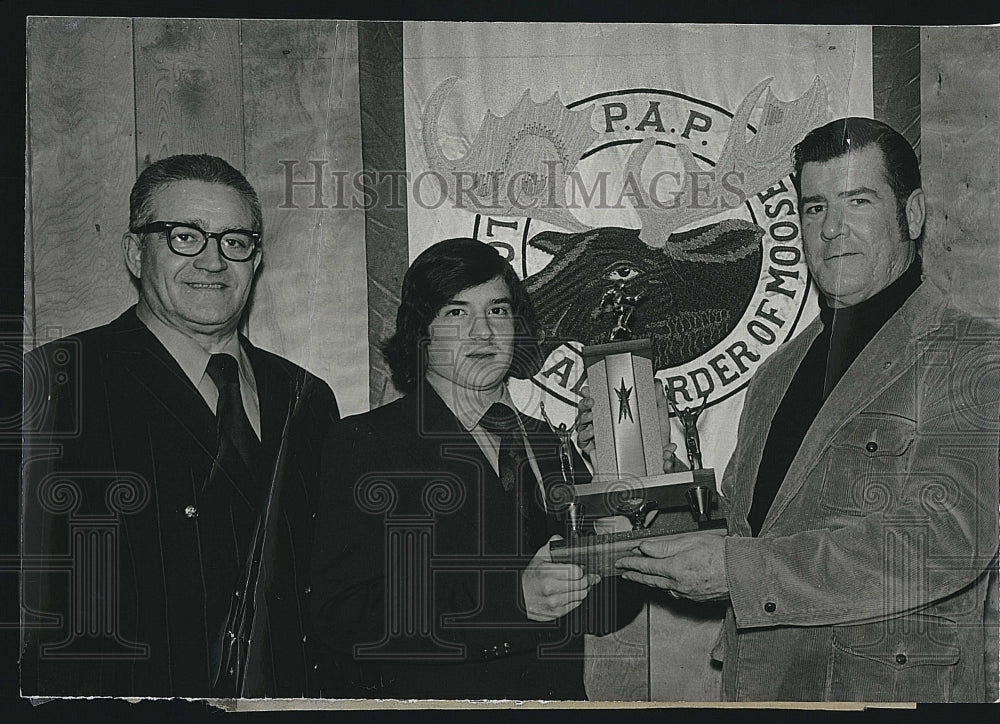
[(626, 426), (628, 463)]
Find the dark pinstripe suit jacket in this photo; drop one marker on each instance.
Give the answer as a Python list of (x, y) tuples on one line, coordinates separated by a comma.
[(139, 556)]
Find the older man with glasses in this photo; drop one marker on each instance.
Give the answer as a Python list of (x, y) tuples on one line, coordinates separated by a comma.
[(167, 527)]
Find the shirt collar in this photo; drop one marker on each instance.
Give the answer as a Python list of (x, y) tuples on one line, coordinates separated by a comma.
[(188, 354), (468, 406)]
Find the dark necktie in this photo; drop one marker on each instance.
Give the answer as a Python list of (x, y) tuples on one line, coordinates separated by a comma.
[(516, 477), (239, 449), (238, 460), (502, 422), (235, 434)]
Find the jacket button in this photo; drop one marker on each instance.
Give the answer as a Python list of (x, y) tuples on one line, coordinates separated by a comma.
[(900, 659), (770, 606), (307, 590), (191, 511), (871, 446)]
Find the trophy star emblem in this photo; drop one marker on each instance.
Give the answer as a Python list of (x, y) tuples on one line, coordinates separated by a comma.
[(624, 407)]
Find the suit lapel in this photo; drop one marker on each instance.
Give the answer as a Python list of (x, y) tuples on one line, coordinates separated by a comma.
[(890, 353), (544, 517), (765, 402), (136, 358), (435, 420), (136, 355), (275, 395)]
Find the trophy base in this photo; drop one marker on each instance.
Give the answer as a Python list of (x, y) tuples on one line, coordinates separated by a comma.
[(598, 553)]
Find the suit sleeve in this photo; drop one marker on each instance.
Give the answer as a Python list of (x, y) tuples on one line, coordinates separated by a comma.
[(59, 445), (347, 598), (911, 539)]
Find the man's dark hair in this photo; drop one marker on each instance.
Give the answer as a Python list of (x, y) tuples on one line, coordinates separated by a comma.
[(846, 135), (435, 277), (187, 167)]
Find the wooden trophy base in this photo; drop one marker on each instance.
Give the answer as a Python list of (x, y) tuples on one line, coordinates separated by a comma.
[(667, 493)]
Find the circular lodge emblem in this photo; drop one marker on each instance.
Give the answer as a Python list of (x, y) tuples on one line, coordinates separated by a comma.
[(675, 203)]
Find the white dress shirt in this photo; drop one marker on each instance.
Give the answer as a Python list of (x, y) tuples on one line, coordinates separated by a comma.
[(469, 406), (193, 359)]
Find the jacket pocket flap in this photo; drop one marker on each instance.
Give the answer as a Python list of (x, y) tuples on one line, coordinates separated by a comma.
[(919, 640), (877, 435)]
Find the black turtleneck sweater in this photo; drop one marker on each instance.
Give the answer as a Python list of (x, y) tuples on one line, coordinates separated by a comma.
[(846, 331)]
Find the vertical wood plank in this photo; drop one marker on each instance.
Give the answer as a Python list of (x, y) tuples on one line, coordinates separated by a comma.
[(28, 320), (960, 120), (302, 127), (896, 80), (82, 165), (383, 126), (188, 89)]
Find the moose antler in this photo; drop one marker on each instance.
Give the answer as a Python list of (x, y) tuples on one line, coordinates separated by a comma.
[(518, 164), (759, 163), (528, 154)]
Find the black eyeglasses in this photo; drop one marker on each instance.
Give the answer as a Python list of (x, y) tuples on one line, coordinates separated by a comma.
[(186, 239)]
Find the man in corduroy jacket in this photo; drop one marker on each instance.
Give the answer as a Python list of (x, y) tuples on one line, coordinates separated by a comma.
[(863, 487)]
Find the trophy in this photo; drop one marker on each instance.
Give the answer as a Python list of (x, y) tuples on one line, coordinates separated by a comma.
[(628, 479)]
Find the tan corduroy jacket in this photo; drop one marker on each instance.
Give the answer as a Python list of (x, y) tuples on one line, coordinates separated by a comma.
[(868, 579)]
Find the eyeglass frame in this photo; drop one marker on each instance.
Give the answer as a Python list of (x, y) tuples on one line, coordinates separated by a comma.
[(159, 227)]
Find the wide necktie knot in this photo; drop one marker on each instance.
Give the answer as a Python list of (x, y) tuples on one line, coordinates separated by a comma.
[(500, 420), (224, 370), (236, 475)]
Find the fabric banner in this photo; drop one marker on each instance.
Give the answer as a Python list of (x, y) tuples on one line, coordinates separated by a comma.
[(638, 165)]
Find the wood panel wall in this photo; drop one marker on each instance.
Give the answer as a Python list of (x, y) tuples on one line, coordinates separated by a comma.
[(81, 140), (300, 89), (960, 100), (109, 96), (188, 90)]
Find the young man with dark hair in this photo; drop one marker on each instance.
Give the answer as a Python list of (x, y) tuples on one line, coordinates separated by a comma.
[(432, 575)]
